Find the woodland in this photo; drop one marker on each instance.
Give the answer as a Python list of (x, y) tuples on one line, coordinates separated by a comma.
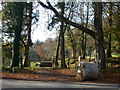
[(87, 29)]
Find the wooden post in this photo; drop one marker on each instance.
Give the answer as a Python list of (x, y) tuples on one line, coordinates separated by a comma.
[(79, 70), (79, 64)]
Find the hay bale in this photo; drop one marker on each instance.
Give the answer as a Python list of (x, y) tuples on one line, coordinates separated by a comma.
[(88, 71)]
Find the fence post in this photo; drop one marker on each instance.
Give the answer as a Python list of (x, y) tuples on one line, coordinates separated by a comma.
[(79, 66)]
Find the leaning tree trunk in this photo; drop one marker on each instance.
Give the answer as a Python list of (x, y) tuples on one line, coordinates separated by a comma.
[(63, 64), (99, 33), (27, 60), (19, 13)]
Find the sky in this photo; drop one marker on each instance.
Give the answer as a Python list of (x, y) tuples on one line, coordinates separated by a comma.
[(41, 32), (0, 23)]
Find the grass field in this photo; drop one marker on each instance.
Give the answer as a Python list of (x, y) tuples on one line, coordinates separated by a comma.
[(116, 55)]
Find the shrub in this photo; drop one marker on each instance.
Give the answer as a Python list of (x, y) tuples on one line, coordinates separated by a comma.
[(6, 69)]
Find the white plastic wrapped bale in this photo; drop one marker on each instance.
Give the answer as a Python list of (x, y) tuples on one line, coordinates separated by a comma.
[(88, 71)]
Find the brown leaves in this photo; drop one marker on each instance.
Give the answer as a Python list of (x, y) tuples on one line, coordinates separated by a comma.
[(44, 75), (62, 75)]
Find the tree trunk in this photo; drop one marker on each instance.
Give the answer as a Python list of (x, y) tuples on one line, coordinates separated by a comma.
[(57, 52), (3, 60), (118, 21), (83, 45), (109, 46), (85, 37), (99, 34), (82, 19), (67, 21), (109, 35), (19, 10), (74, 50), (72, 40), (11, 56), (63, 64), (118, 10), (27, 60), (84, 53)]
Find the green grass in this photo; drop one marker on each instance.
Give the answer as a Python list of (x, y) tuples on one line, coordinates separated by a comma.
[(112, 56), (59, 63), (32, 64), (91, 57), (116, 55)]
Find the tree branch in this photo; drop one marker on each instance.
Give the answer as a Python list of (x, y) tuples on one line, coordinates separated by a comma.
[(67, 21)]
